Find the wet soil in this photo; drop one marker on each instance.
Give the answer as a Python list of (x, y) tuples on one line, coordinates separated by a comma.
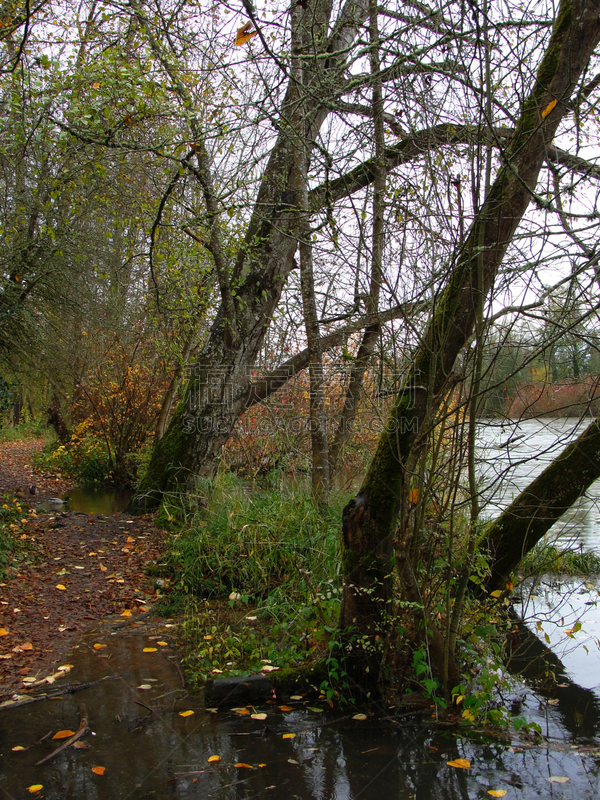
[(79, 569)]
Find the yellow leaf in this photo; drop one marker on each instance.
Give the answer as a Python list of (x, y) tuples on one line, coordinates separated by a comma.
[(548, 109), (214, 759), (185, 713), (240, 710), (288, 736), (150, 649), (163, 644), (468, 715), (99, 770), (497, 593), (96, 85), (130, 539), (103, 568), (497, 792), (3, 632), (126, 613), (37, 787), (244, 34), (459, 763), (61, 587), (413, 496), (17, 748), (285, 708), (27, 646), (558, 779), (359, 716), (63, 734), (99, 646), (258, 716), (241, 765)]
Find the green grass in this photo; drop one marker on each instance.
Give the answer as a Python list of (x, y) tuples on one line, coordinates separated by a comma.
[(256, 574), (549, 558)]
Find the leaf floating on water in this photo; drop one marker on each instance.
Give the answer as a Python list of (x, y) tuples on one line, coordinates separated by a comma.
[(214, 759), (17, 748), (296, 697), (185, 713), (80, 745), (316, 709), (554, 702), (37, 787), (288, 735), (144, 686), (150, 649), (241, 711), (99, 770), (459, 763), (258, 716), (497, 792), (285, 708), (558, 779), (292, 761), (63, 734), (241, 765), (360, 717)]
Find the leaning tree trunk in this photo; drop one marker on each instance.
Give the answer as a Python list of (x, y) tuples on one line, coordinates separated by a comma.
[(369, 520), (531, 515)]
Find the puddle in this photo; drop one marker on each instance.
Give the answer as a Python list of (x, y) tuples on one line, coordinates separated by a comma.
[(150, 751), (90, 500)]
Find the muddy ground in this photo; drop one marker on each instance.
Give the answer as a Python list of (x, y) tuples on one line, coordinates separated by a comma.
[(78, 569)]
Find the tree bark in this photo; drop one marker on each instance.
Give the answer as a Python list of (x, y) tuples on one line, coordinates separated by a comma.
[(531, 515)]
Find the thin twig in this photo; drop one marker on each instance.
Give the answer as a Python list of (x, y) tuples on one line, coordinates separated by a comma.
[(83, 727)]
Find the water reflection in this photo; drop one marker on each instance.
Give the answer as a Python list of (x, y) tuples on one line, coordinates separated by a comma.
[(150, 751)]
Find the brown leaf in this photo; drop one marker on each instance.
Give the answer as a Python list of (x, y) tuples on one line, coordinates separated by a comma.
[(244, 34)]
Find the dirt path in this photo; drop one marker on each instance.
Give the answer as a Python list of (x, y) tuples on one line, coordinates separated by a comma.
[(81, 569)]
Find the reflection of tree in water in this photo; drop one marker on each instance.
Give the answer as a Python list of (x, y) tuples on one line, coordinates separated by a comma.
[(579, 708)]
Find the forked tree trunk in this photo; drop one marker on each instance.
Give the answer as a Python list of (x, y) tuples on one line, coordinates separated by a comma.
[(369, 522)]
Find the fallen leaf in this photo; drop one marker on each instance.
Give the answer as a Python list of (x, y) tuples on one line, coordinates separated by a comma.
[(497, 792), (296, 697), (63, 734), (214, 759), (285, 708), (150, 649), (126, 613), (558, 779), (80, 746), (145, 686), (292, 761), (316, 709), (359, 717), (27, 646), (99, 770), (185, 713), (99, 646), (37, 787), (459, 763), (61, 587), (548, 108), (163, 644), (17, 748), (288, 736), (130, 539), (240, 710), (258, 716), (103, 568), (554, 702), (3, 632), (241, 765), (268, 668)]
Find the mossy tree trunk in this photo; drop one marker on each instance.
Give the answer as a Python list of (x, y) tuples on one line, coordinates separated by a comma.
[(370, 519), (531, 515)]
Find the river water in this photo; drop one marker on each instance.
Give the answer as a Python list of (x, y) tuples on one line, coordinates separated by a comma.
[(512, 453)]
